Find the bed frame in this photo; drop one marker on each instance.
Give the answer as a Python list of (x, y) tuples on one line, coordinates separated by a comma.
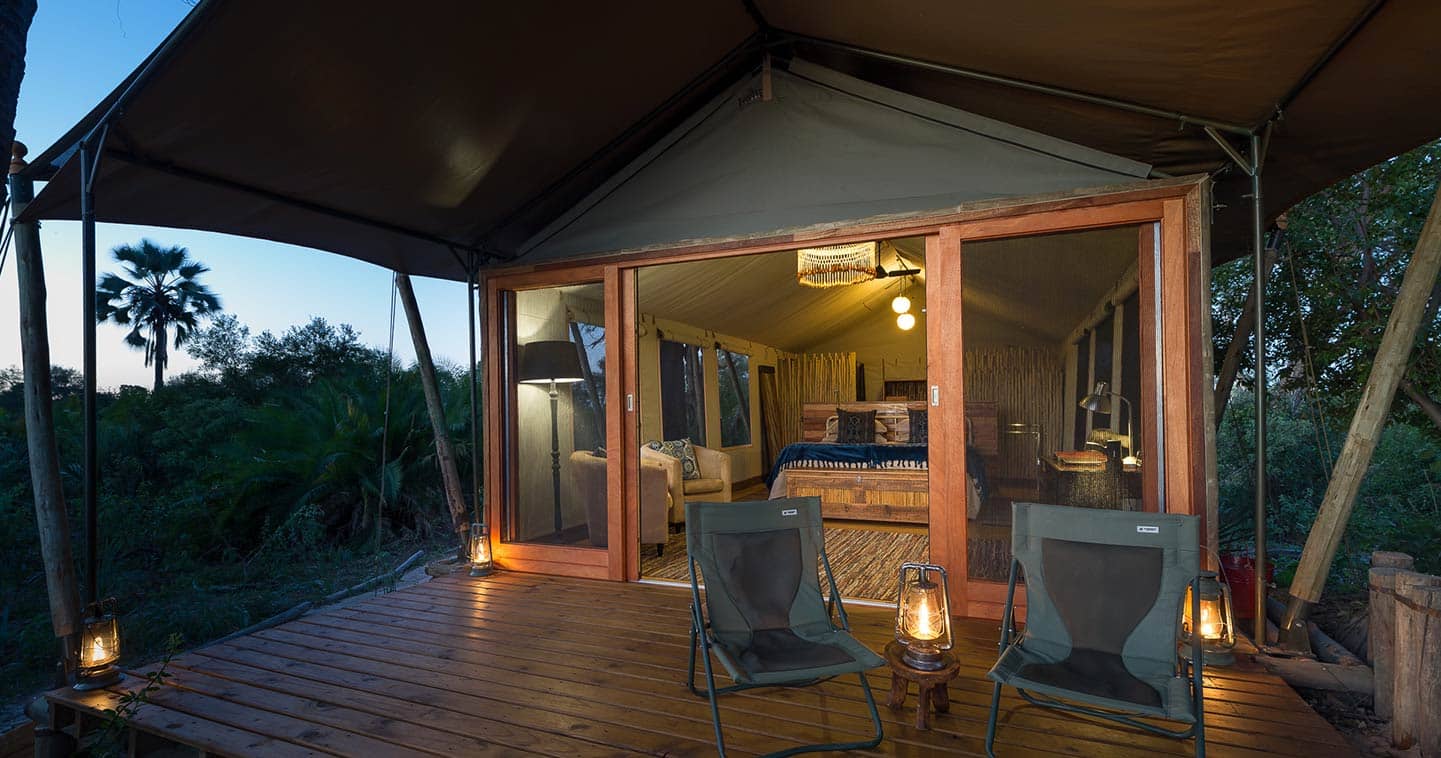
[(891, 495)]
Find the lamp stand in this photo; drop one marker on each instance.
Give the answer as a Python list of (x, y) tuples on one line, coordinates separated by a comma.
[(555, 453)]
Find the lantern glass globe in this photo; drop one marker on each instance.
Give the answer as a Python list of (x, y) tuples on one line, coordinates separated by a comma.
[(906, 321)]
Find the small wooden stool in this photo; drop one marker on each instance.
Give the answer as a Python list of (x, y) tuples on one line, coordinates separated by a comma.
[(931, 685)]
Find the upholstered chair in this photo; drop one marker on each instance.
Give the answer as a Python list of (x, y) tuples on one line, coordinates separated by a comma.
[(589, 474), (714, 483)]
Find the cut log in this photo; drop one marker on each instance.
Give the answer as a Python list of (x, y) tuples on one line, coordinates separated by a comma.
[(1389, 559), (1325, 648), (1418, 657), (1424, 607), (444, 451), (1382, 635), (1371, 414)]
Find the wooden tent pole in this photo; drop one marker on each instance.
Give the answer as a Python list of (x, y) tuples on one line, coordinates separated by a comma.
[(1369, 420), (50, 511), (449, 475)]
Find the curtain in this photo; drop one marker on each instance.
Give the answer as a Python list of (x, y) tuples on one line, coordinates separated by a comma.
[(811, 378), (772, 428)]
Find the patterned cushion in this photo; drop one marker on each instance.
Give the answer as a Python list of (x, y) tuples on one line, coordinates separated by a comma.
[(920, 429), (682, 450), (854, 427), (832, 422)]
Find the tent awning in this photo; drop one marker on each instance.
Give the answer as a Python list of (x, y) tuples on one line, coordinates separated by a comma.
[(418, 139)]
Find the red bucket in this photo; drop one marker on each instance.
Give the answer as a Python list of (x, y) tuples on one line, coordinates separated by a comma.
[(1240, 573)]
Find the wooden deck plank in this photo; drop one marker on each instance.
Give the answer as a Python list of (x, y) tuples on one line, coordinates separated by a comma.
[(526, 664), (1222, 725), (639, 642), (184, 728), (796, 707)]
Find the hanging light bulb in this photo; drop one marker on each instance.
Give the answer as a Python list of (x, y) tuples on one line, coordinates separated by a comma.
[(906, 321), (901, 304)]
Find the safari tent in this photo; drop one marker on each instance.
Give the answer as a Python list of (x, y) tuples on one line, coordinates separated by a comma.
[(1047, 184)]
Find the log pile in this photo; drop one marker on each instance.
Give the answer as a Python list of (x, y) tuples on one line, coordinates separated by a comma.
[(1406, 651)]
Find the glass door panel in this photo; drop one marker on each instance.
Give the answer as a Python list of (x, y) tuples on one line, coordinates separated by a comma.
[(554, 375)]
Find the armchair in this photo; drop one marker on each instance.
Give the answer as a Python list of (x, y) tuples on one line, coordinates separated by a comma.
[(589, 473), (714, 484)]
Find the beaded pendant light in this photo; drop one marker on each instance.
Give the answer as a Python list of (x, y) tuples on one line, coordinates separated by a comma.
[(836, 265)]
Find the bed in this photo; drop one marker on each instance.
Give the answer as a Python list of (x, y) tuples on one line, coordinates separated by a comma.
[(882, 481)]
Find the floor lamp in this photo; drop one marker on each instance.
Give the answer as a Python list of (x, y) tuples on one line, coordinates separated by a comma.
[(552, 362)]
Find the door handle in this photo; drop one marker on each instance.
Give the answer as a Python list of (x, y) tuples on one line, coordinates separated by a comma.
[(935, 394)]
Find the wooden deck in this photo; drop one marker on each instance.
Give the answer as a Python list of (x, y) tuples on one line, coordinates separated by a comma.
[(519, 664)]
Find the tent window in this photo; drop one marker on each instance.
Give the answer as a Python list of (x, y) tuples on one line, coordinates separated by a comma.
[(682, 391), (734, 374)]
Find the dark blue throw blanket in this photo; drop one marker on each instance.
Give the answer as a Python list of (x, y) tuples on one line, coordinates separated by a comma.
[(870, 456)]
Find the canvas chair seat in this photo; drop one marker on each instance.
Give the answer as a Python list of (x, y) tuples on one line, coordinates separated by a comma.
[(774, 656), (1100, 676), (763, 615), (1104, 594)]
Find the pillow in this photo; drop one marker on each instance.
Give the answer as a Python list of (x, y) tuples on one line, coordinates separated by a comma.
[(920, 428), (854, 427), (831, 424), (682, 450)]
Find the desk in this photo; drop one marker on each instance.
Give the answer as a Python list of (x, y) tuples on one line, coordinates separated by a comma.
[(1092, 485)]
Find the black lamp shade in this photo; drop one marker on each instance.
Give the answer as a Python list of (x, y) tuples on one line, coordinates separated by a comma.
[(544, 361)]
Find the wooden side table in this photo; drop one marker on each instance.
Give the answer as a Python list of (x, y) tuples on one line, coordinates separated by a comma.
[(930, 685)]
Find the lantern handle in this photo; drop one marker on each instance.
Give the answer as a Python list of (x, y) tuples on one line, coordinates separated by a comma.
[(1220, 567)]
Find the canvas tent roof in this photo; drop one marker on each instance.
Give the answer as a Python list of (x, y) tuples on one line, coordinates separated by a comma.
[(826, 148), (415, 139)]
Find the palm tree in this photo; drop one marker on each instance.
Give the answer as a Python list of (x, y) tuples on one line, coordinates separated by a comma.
[(161, 293)]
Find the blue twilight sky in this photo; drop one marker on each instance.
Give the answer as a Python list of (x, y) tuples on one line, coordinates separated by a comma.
[(79, 50)]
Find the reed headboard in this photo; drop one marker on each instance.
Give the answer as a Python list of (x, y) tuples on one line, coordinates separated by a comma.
[(980, 417)]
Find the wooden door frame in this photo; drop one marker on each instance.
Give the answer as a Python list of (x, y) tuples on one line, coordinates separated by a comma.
[(591, 563), (1180, 278)]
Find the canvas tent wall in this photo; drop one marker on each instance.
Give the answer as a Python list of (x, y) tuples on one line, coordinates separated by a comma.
[(826, 149)]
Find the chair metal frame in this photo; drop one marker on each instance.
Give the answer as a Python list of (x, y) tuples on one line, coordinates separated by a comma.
[(1194, 667), (700, 638)]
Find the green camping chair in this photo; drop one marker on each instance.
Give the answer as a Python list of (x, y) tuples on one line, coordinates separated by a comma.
[(1104, 591), (764, 617)]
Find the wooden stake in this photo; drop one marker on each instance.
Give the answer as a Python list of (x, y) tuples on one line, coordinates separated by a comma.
[(1417, 674), (50, 510), (1426, 619), (1371, 412), (449, 475), (1381, 634)]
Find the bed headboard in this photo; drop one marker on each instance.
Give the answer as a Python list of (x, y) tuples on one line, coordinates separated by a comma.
[(980, 416)]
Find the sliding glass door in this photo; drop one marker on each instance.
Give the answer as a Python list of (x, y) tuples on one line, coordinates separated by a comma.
[(1064, 369), (551, 397)]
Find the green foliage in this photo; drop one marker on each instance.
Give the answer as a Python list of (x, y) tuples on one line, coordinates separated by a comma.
[(232, 493), (1398, 507), (1342, 257)]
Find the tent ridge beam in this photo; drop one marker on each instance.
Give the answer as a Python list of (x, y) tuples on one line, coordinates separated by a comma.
[(229, 184), (1045, 89)]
